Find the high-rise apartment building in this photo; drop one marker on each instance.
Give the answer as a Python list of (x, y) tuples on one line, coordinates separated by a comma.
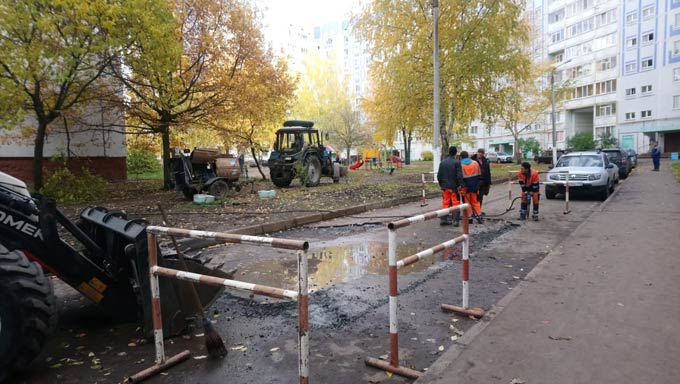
[(618, 57)]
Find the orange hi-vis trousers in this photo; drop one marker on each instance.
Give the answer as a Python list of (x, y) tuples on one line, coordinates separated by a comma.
[(449, 198), (474, 207)]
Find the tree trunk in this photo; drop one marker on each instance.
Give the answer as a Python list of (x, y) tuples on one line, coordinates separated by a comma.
[(38, 155), (348, 156), (518, 151), (407, 149), (165, 134), (257, 162)]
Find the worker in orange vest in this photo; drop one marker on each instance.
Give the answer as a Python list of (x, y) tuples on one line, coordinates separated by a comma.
[(529, 181), (471, 172)]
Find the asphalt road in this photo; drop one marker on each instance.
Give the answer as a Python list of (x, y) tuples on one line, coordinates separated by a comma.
[(348, 308)]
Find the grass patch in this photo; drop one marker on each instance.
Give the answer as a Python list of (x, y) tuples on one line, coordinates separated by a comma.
[(676, 170), (155, 175)]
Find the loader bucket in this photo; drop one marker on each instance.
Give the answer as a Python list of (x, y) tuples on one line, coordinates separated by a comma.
[(126, 252)]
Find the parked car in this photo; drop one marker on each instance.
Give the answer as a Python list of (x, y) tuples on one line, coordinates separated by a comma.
[(499, 157), (589, 171), (621, 159), (632, 155), (546, 156)]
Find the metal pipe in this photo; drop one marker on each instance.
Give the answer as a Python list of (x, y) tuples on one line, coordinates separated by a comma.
[(435, 85), (231, 238), (155, 298), (431, 251), (393, 293), (263, 290), (466, 270), (427, 216), (303, 317)]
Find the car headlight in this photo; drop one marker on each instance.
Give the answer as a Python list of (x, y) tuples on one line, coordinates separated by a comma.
[(554, 177), (594, 176)]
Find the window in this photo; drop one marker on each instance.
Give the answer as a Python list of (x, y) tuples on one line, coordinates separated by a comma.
[(604, 41), (646, 89), (604, 131), (557, 36), (647, 64), (676, 23), (631, 18), (647, 37), (646, 114), (676, 48), (630, 92), (630, 67), (676, 101), (605, 110), (556, 16), (606, 17), (603, 87), (630, 115), (582, 91), (648, 13), (605, 64), (676, 74), (631, 42), (473, 130)]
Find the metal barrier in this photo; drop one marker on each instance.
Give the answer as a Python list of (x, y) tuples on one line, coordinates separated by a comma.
[(301, 295), (566, 187), (394, 265), (434, 180)]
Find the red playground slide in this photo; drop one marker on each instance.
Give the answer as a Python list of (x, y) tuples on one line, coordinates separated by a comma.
[(356, 165)]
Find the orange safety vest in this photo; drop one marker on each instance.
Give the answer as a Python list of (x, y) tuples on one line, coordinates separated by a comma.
[(471, 174), (530, 180)]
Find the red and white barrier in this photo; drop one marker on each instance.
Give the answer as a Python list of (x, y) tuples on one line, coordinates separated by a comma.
[(424, 184), (394, 265), (301, 295)]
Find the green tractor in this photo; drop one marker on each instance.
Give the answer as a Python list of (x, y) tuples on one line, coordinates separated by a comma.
[(299, 152)]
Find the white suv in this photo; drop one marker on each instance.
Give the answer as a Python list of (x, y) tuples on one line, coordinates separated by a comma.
[(587, 171)]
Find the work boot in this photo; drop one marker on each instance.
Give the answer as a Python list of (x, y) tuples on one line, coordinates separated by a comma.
[(535, 216), (444, 220), (480, 220), (522, 215)]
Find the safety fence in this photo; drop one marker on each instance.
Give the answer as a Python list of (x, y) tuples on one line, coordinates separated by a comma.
[(394, 265), (424, 184), (565, 181), (301, 295)]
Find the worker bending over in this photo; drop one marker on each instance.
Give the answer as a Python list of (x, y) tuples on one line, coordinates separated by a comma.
[(471, 172), (529, 181)]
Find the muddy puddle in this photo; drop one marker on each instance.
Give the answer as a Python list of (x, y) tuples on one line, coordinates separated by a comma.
[(332, 264)]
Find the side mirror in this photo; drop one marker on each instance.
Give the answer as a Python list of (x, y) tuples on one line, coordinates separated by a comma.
[(551, 166)]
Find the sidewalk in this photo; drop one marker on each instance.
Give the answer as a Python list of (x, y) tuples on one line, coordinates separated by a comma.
[(601, 308)]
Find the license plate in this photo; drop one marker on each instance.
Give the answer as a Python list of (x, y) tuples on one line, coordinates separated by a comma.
[(575, 184)]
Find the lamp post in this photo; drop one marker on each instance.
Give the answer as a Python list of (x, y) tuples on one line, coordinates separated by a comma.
[(552, 114), (435, 62)]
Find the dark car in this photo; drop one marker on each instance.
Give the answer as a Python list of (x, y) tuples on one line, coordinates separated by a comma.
[(619, 157), (546, 157), (632, 155)]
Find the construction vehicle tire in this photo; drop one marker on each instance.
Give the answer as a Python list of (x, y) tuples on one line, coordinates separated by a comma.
[(28, 311), (219, 189), (312, 175), (281, 179)]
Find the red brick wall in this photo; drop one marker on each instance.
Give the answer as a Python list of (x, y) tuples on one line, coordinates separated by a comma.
[(110, 168)]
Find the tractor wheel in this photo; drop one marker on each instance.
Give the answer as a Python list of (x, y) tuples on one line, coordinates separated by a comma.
[(219, 189), (312, 171), (28, 311), (281, 179)]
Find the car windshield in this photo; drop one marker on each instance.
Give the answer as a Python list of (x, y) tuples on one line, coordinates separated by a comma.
[(580, 161), (613, 155), (502, 154)]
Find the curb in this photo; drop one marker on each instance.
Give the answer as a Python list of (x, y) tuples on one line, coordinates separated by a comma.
[(441, 364)]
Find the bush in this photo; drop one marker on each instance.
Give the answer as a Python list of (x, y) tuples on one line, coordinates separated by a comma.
[(140, 161), (581, 142), (65, 187), (427, 155)]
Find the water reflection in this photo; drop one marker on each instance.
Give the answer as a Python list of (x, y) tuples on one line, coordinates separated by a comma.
[(332, 264)]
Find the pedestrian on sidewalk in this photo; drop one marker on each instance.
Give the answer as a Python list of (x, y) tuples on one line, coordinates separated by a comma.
[(450, 178), (656, 157), (471, 173), (529, 181), (484, 178)]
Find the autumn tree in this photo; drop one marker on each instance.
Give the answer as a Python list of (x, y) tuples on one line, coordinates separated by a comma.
[(323, 98), (53, 56), (182, 72), (478, 46)]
